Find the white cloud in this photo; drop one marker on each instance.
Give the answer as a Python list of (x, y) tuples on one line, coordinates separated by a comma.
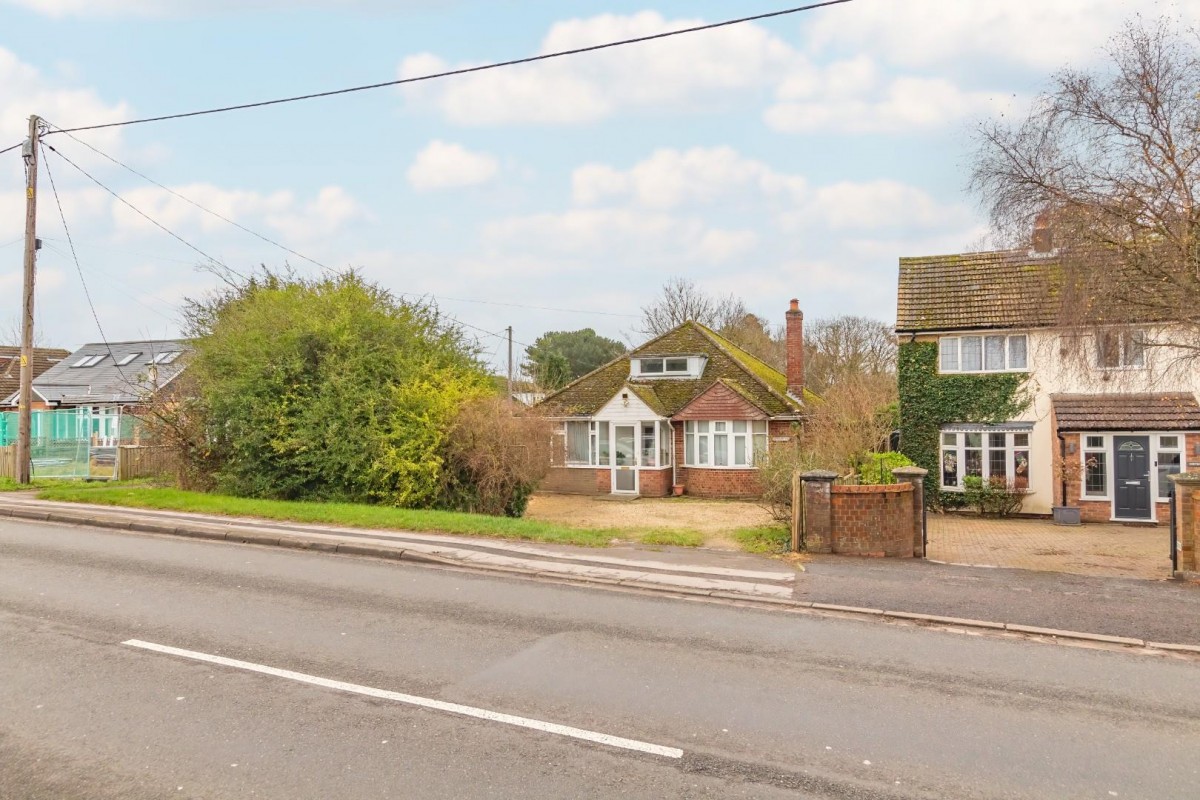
[(852, 97), (1034, 33), (670, 178), (164, 8), (684, 72), (877, 205), (443, 165), (597, 234), (27, 90), (294, 219)]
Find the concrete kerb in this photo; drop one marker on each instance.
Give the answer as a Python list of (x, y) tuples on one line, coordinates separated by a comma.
[(762, 601)]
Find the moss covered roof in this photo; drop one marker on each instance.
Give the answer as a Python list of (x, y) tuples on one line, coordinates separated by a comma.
[(755, 380), (996, 289)]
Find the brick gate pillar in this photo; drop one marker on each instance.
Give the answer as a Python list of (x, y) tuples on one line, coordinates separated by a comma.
[(816, 511), (916, 477), (1187, 518)]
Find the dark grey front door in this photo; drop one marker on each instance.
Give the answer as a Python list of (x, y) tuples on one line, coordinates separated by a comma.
[(1131, 454)]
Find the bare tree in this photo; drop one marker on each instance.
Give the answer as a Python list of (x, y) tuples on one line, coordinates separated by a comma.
[(838, 349), (1105, 168), (681, 300)]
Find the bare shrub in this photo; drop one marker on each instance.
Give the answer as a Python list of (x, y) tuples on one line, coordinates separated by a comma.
[(493, 458)]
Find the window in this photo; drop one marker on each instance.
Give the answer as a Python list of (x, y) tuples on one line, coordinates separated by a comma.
[(127, 359), (165, 358), (88, 361), (723, 443), (985, 453), (649, 447), (1170, 460), (578, 450), (1121, 349), (1095, 467), (666, 367), (994, 353)]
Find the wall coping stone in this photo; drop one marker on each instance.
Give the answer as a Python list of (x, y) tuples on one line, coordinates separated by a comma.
[(883, 488), (1186, 478), (910, 472), (819, 475)]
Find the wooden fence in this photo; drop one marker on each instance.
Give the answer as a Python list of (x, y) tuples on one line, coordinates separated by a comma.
[(143, 462), (8, 462)]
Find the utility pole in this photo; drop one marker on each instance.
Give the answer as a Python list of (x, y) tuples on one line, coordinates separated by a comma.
[(510, 374), (24, 407)]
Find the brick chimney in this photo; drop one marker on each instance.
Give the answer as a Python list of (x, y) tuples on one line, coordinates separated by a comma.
[(795, 350), (1043, 234)]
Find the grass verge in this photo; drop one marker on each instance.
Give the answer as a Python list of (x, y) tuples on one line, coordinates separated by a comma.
[(764, 539), (357, 516)]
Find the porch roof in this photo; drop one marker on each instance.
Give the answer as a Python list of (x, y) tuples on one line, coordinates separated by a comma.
[(1161, 411)]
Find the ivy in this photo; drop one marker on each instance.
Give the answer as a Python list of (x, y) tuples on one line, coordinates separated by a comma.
[(929, 400)]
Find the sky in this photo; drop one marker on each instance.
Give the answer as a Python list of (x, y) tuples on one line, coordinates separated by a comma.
[(794, 157)]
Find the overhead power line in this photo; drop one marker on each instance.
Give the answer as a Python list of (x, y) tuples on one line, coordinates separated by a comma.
[(188, 200), (146, 216), (13, 147), (462, 70)]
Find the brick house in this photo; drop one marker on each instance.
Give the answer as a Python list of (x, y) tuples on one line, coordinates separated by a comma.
[(688, 408), (1099, 425), (10, 366)]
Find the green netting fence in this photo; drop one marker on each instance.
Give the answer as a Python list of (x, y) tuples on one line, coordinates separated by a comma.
[(73, 443)]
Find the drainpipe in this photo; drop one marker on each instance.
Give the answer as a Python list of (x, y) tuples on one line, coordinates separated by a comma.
[(674, 461), (1062, 455)]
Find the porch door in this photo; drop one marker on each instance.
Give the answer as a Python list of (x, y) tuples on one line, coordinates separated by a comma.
[(1131, 454), (624, 473)]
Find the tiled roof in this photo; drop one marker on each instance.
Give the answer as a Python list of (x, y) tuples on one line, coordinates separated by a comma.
[(106, 382), (997, 289), (759, 383), (10, 366), (1165, 411)]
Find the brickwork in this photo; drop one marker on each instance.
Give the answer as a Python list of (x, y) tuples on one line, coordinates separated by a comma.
[(817, 521), (1187, 496), (654, 482), (702, 482), (872, 520), (795, 349), (565, 480), (719, 402)]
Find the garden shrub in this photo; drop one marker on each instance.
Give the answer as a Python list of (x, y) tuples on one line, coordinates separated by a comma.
[(876, 468), (993, 496)]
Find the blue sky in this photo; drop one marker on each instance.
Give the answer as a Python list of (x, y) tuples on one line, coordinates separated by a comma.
[(796, 157)]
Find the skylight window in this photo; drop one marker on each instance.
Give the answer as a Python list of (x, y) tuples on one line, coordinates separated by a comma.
[(88, 361), (165, 358), (127, 359)]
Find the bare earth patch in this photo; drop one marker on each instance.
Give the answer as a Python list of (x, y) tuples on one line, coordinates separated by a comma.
[(715, 519)]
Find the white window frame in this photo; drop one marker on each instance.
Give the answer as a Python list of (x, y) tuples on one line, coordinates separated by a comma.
[(959, 448), (694, 367), (1123, 339), (1085, 452), (950, 353), (1160, 490), (700, 442)]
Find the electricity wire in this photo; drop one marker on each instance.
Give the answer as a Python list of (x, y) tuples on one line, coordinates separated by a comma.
[(464, 70)]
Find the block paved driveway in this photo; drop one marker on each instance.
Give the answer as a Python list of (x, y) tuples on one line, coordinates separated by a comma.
[(1107, 550)]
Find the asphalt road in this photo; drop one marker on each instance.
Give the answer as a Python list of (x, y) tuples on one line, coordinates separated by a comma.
[(760, 704)]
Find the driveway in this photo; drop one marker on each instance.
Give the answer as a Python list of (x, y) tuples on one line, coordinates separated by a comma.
[(1105, 550)]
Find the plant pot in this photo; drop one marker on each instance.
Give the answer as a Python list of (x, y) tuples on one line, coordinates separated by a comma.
[(677, 490), (1066, 515)]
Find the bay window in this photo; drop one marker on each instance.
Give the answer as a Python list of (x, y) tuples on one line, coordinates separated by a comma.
[(985, 452), (724, 443)]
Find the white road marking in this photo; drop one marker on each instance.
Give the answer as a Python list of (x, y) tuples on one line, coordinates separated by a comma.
[(423, 702)]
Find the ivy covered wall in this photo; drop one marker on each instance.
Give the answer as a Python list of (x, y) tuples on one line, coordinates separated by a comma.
[(929, 400)]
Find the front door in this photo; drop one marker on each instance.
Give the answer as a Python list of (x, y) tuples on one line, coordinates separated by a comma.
[(1131, 454), (624, 473)]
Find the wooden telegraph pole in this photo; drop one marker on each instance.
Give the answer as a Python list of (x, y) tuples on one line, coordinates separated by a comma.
[(25, 417)]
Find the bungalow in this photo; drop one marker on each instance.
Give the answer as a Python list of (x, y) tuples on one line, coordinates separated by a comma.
[(688, 409), (106, 379), (10, 366)]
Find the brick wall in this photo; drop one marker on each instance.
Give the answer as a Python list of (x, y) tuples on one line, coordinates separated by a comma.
[(565, 480), (654, 482), (860, 520)]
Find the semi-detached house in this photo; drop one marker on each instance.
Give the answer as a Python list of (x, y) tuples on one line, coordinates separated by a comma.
[(688, 408), (1114, 406)]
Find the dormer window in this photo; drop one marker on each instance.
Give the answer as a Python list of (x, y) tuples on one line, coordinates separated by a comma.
[(667, 367)]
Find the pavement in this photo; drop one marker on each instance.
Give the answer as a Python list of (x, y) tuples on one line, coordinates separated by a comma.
[(1067, 607), (152, 666)]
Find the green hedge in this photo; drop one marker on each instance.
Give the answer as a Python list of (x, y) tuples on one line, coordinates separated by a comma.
[(929, 400)]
